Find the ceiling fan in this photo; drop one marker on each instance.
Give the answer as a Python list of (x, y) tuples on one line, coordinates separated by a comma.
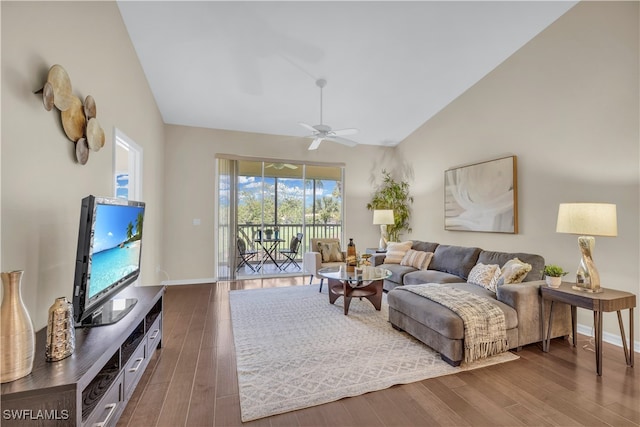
[(322, 131), (280, 166)]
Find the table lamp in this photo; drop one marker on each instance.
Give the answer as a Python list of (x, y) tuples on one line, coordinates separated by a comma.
[(587, 220), (383, 217)]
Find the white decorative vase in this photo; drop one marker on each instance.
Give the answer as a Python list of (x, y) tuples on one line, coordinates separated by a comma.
[(17, 337), (553, 282)]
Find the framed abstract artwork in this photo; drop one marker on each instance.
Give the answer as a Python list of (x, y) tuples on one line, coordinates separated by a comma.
[(482, 197)]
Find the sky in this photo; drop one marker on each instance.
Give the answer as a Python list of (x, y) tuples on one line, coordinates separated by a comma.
[(289, 186), (111, 225)]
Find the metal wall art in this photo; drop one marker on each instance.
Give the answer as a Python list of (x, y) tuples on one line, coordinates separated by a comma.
[(482, 197), (78, 118)]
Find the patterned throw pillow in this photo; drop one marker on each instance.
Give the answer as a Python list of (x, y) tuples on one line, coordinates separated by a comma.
[(330, 251), (485, 275), (514, 271), (396, 251), (417, 259)]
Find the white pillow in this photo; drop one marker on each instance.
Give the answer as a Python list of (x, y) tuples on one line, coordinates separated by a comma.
[(485, 275), (514, 271), (330, 251), (396, 251), (417, 259)]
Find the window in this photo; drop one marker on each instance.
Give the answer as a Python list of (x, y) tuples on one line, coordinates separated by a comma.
[(127, 167)]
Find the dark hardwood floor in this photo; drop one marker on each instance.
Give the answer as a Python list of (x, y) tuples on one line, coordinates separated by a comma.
[(192, 381)]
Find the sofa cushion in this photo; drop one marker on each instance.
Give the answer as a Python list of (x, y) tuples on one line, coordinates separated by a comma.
[(485, 275), (501, 258), (397, 271), (424, 246), (396, 251), (417, 259), (514, 271), (330, 251), (457, 260), (429, 276)]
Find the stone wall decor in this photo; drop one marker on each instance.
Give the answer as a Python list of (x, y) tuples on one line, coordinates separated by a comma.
[(78, 118)]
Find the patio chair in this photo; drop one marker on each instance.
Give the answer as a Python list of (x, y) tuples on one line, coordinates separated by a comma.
[(245, 254), (292, 252)]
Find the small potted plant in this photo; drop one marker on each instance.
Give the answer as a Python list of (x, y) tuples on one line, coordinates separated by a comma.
[(268, 232), (553, 275)]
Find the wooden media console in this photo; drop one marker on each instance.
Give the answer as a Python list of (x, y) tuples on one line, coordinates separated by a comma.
[(93, 385)]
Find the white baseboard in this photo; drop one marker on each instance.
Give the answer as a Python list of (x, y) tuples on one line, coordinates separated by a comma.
[(607, 337), (188, 282)]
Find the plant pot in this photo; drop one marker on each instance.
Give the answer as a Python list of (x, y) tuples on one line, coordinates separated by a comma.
[(553, 282)]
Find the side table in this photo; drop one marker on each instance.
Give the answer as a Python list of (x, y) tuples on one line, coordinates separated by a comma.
[(607, 301)]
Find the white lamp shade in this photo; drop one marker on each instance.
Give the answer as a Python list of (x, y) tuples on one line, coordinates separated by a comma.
[(592, 219), (383, 216)]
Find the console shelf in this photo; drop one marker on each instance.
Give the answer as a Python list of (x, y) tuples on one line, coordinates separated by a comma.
[(92, 386)]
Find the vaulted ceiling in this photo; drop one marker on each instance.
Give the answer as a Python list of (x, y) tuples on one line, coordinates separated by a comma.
[(389, 66)]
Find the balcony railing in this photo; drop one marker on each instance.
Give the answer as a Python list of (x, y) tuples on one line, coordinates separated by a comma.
[(286, 232)]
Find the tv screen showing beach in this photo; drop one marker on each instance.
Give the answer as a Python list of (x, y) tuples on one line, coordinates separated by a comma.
[(117, 236)]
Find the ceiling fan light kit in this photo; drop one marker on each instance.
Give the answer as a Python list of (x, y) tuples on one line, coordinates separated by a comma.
[(321, 132)]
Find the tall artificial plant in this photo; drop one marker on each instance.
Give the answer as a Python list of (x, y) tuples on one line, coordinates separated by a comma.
[(392, 194)]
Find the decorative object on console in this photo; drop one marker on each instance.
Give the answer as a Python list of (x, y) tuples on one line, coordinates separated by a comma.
[(61, 335), (482, 197), (78, 118), (383, 217), (17, 337), (553, 275), (392, 194), (587, 220)]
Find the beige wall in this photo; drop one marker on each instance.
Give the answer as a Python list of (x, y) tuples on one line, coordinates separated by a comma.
[(42, 185), (190, 183), (567, 105)]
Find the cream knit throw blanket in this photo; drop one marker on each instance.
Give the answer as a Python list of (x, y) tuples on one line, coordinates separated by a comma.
[(485, 332)]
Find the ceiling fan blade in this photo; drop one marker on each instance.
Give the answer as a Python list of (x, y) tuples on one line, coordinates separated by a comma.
[(287, 165), (309, 127), (341, 132), (343, 141), (316, 142)]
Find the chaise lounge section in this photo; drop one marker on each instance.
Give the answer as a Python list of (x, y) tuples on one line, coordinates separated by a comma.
[(442, 329)]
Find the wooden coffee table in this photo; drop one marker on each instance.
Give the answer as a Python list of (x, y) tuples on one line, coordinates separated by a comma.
[(346, 284)]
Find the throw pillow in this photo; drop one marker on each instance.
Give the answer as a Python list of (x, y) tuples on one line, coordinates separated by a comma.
[(514, 271), (417, 259), (396, 251), (485, 275), (330, 251)]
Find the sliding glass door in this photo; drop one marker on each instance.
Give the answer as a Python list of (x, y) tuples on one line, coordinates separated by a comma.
[(266, 207)]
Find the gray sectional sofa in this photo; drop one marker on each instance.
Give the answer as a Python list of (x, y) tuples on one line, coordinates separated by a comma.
[(442, 329)]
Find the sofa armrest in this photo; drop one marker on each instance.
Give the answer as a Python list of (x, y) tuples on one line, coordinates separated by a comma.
[(312, 262), (525, 299), (377, 259)]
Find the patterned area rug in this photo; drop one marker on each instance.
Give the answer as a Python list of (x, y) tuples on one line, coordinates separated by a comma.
[(295, 350)]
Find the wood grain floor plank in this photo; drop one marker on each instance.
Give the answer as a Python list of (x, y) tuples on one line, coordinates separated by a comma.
[(289, 419), (431, 404), (361, 411), (449, 397)]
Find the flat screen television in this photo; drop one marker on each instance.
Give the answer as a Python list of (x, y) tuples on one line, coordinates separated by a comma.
[(107, 260)]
